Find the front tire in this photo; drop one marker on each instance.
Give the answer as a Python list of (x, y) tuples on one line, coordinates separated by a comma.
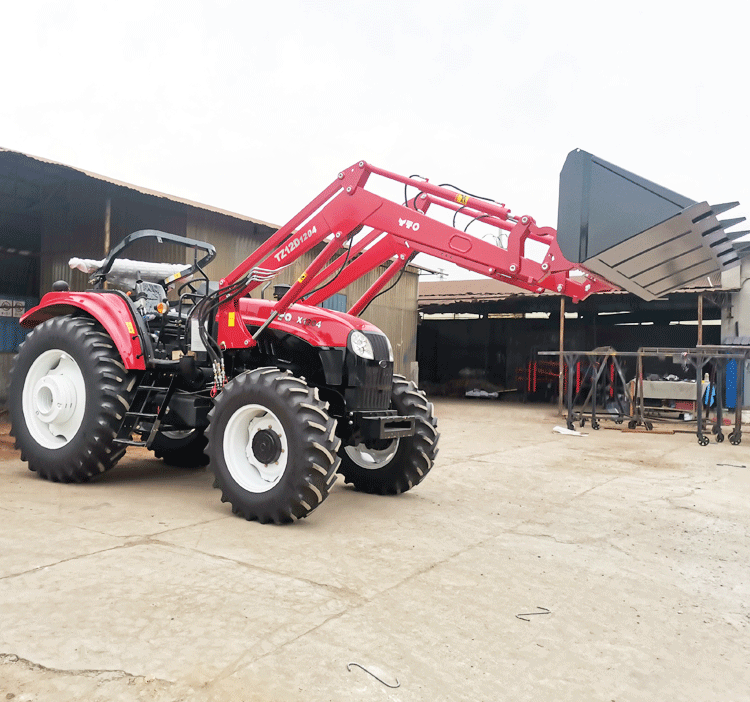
[(68, 395), (393, 467), (272, 446)]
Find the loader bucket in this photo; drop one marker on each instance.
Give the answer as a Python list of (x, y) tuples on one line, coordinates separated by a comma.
[(638, 235)]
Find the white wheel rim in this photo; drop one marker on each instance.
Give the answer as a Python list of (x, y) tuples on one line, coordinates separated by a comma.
[(370, 458), (54, 399), (248, 471)]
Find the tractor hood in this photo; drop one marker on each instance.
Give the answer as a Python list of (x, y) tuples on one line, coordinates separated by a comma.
[(316, 325)]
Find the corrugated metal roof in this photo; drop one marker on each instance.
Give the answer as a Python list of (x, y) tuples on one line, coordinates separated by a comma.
[(447, 292), (140, 189), (411, 267)]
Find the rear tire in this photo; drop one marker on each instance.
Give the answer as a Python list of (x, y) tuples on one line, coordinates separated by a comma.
[(182, 449), (272, 446), (68, 395), (390, 468)]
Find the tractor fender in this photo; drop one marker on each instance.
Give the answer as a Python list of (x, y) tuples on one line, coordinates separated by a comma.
[(108, 307)]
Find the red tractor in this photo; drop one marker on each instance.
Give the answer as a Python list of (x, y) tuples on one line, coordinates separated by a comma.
[(278, 396)]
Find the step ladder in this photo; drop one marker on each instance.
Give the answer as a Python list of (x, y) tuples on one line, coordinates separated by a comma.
[(145, 397)]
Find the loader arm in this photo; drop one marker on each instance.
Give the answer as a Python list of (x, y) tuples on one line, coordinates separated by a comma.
[(644, 238), (552, 273), (399, 231)]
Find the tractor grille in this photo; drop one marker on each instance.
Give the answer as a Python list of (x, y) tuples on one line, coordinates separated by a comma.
[(379, 345), (369, 381), (374, 392)]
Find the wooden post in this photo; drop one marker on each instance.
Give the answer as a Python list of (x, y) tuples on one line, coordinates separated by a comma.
[(561, 365), (107, 223), (700, 319)]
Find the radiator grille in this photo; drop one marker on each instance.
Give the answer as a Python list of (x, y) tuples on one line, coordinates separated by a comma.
[(375, 392), (379, 345)]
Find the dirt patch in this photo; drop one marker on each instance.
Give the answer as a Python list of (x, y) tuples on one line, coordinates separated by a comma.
[(7, 442)]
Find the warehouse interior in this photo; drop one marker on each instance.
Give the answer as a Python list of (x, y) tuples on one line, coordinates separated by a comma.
[(483, 334)]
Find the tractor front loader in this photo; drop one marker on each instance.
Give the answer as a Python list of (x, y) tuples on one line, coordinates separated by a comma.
[(279, 396)]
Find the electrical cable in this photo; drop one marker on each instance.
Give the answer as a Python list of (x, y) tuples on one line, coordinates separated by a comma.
[(406, 195), (191, 282), (482, 216), (455, 214), (218, 297), (208, 305), (390, 287), (349, 238)]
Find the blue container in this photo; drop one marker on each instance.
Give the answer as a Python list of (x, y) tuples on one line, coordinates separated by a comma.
[(731, 384)]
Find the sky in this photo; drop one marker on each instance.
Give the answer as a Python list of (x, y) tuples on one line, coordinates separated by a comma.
[(255, 107)]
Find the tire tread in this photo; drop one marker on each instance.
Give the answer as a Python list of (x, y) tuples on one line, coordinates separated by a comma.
[(95, 451), (416, 454), (312, 473)]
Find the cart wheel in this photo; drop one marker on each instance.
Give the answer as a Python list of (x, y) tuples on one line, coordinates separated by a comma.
[(583, 421), (595, 424), (735, 439), (720, 437), (703, 440), (649, 426), (571, 426), (632, 424)]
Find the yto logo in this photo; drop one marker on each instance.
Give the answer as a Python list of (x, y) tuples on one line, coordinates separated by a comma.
[(414, 226)]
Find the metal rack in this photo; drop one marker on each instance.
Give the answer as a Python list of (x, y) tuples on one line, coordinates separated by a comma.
[(588, 403), (704, 359)]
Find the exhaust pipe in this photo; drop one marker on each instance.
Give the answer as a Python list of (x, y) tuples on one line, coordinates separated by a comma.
[(638, 235)]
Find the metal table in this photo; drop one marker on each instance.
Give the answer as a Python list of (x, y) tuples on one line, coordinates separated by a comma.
[(631, 406)]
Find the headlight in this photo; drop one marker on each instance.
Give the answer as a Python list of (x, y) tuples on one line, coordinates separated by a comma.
[(361, 345)]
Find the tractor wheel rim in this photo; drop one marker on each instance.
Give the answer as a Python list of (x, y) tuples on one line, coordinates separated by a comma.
[(250, 426), (371, 458), (54, 399)]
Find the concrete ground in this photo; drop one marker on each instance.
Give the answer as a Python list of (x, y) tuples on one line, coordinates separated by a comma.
[(143, 586)]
